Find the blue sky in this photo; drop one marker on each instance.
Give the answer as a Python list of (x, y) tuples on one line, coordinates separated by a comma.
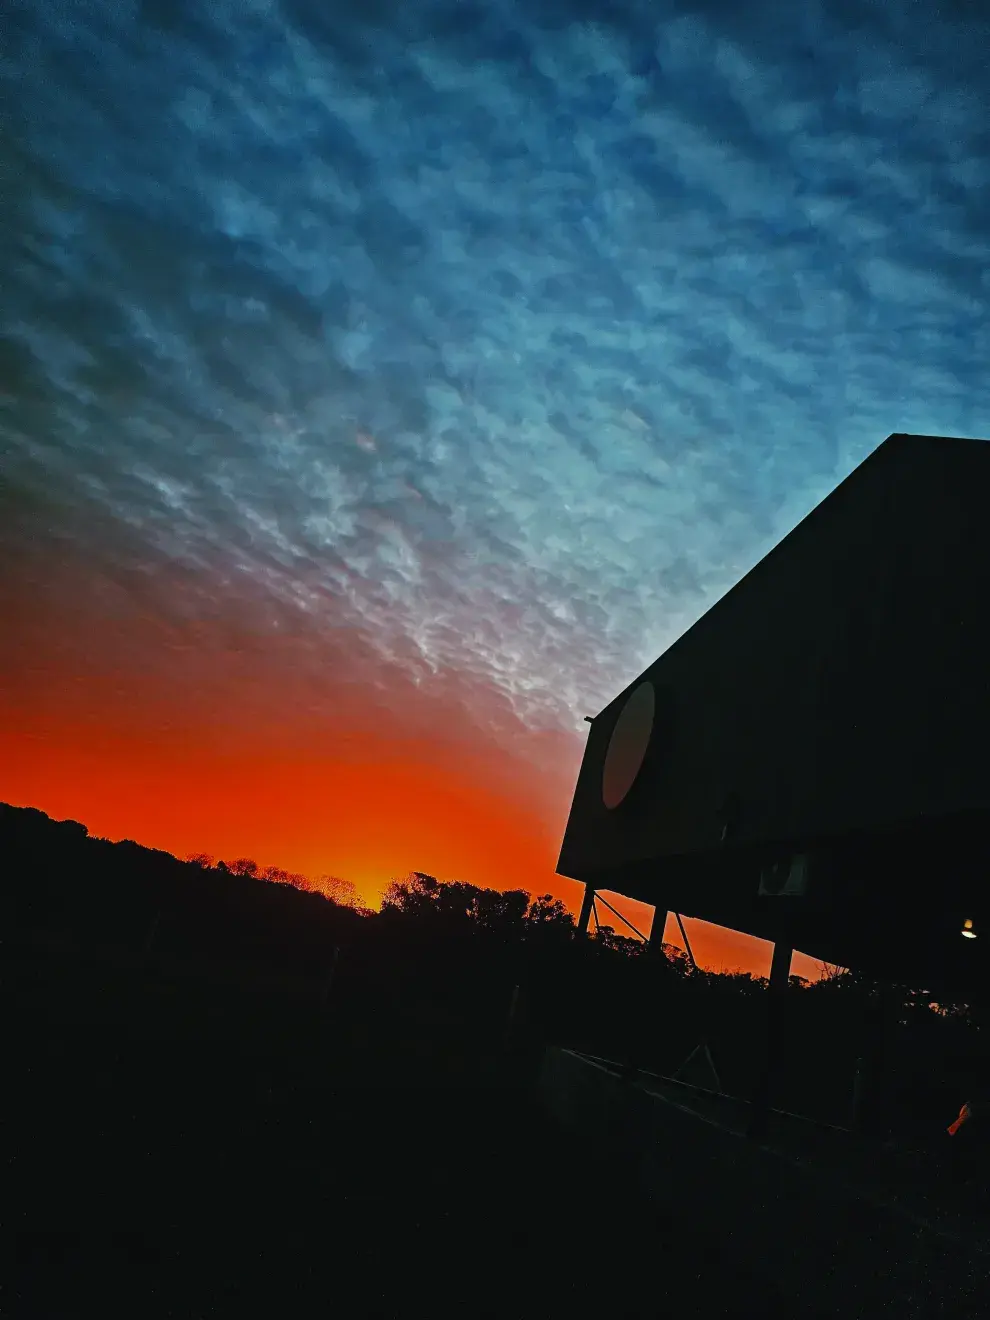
[(505, 337)]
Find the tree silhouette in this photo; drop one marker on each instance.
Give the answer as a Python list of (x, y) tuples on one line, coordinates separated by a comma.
[(243, 866), (337, 890), (624, 944)]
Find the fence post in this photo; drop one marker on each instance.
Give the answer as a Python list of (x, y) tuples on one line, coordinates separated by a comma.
[(510, 1021), (857, 1096), (152, 934), (328, 986)]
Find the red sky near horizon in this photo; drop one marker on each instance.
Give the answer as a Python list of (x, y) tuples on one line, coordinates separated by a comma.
[(214, 736)]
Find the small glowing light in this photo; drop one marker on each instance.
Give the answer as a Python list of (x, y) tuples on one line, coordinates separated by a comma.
[(967, 929)]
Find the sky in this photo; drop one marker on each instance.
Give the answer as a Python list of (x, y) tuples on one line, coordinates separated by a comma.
[(384, 386)]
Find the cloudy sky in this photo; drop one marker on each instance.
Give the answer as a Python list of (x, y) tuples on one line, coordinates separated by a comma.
[(384, 385)]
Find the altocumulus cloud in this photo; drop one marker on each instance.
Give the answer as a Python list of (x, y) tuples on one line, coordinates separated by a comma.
[(506, 335)]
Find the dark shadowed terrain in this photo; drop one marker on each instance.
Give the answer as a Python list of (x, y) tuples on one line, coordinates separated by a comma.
[(246, 1154), (212, 1111)]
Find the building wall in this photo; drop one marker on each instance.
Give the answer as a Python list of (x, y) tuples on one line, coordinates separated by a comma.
[(842, 684)]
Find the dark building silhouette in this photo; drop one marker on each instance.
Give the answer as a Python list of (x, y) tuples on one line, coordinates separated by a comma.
[(810, 762)]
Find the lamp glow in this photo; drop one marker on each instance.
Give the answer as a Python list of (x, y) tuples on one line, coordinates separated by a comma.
[(967, 932)]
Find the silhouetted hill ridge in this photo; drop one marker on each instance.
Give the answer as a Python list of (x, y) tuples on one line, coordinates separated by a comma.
[(61, 878)]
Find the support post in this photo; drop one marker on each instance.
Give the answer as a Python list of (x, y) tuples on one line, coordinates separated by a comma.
[(655, 943), (587, 903), (772, 1044), (873, 1067), (650, 978)]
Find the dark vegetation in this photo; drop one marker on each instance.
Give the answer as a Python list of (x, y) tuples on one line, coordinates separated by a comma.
[(200, 1044), (440, 963)]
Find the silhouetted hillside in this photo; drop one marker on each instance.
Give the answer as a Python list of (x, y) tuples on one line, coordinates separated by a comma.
[(442, 968), (125, 896)]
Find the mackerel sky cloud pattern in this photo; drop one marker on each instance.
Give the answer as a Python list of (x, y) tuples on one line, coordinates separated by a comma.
[(505, 337)]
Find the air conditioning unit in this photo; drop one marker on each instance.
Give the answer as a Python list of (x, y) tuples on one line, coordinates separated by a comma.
[(785, 878)]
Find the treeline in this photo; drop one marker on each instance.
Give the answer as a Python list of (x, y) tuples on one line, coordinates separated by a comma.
[(329, 886), (62, 880), (466, 959)]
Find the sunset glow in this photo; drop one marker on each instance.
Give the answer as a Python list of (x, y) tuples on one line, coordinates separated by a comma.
[(366, 424)]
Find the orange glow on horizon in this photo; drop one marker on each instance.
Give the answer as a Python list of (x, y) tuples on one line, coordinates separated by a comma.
[(362, 821), (249, 749)]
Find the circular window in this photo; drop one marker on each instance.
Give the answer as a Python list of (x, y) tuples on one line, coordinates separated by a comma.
[(628, 744)]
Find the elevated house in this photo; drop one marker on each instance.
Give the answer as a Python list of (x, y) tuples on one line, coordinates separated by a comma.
[(810, 761)]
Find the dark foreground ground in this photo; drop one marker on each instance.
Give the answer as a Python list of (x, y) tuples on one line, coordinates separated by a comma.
[(174, 1162)]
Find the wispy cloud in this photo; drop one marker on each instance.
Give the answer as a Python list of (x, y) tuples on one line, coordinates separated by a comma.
[(514, 336)]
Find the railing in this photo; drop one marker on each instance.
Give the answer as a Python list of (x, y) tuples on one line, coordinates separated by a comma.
[(639, 1073)]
